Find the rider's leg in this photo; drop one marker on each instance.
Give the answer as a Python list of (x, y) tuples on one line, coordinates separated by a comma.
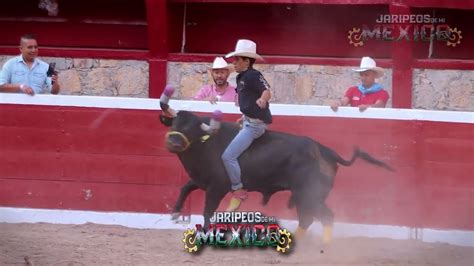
[(238, 145)]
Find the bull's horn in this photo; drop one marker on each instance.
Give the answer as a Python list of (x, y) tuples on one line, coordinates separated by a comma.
[(215, 123), (165, 97)]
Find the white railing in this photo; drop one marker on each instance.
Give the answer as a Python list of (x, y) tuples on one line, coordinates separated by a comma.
[(226, 107)]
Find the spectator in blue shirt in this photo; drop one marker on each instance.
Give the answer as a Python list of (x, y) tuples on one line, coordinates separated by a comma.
[(26, 73)]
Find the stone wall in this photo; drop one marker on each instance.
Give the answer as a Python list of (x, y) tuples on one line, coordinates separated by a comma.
[(127, 78), (443, 89), (296, 84)]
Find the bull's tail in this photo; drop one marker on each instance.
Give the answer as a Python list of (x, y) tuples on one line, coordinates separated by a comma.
[(360, 154)]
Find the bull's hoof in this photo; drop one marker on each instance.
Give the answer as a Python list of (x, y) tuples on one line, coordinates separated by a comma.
[(300, 233), (175, 216), (327, 234)]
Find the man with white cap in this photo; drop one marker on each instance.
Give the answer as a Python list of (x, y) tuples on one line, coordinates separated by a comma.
[(368, 93), (221, 90), (253, 96)]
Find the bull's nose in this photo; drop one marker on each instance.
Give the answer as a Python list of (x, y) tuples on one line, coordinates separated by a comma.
[(172, 145), (175, 144), (171, 141)]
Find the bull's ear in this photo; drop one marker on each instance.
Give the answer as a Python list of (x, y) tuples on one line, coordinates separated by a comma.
[(166, 120)]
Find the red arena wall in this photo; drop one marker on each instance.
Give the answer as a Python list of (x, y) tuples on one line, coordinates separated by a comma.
[(107, 154)]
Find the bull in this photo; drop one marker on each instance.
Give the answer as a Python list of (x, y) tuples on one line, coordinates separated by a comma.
[(274, 162)]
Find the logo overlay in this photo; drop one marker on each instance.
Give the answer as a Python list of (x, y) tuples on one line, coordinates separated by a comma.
[(414, 27), (238, 230)]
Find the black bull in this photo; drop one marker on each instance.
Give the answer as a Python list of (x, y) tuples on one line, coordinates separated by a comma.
[(274, 162)]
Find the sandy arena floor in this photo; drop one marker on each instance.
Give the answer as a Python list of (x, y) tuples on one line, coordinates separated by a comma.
[(47, 244)]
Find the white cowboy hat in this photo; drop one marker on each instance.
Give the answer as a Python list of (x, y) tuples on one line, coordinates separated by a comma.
[(368, 63), (220, 63), (245, 48)]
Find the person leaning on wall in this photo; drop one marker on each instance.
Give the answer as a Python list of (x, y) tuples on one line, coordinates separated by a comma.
[(221, 90), (26, 73), (368, 93)]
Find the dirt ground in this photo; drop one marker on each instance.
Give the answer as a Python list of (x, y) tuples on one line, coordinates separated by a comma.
[(47, 244)]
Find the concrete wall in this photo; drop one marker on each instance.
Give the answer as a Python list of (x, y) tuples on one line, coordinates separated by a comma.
[(113, 158)]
